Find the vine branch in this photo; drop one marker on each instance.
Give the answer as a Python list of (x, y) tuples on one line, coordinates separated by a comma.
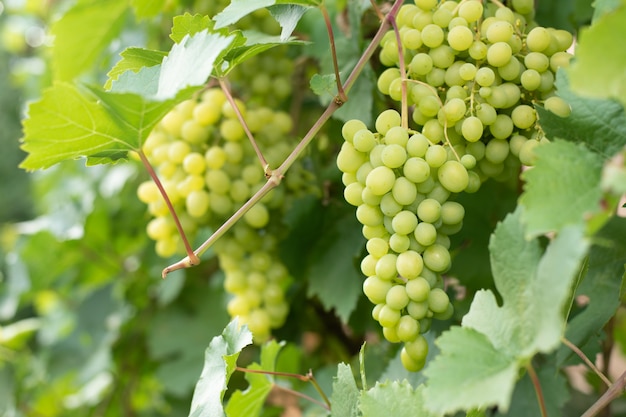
[(585, 359), (538, 391), (614, 391)]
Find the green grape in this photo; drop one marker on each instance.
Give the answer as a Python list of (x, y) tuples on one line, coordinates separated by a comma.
[(389, 333), (472, 128), (557, 106), (386, 120), (388, 317), (429, 210), (560, 60), (523, 6), (511, 70), (436, 156), (380, 180), (352, 193), (417, 310), (436, 258), (377, 247), (412, 39), (190, 183), (397, 136), (460, 38), (363, 140), (471, 10), (197, 203), (352, 126), (485, 76), (407, 329), (502, 127), (160, 228), (393, 156), (547, 82), (537, 61), (416, 170), (417, 349), (453, 176), (426, 4), (538, 39), (396, 297), (193, 132), (404, 191), (389, 206), (468, 161), (376, 289), (363, 172), (386, 266), (452, 212), (370, 198), (438, 300), (417, 145), (425, 234), (467, 71), (499, 54), (234, 152), (349, 159), (429, 106), (432, 35), (421, 64), (404, 222), (231, 130), (527, 152), (172, 123), (433, 130), (178, 150), (524, 116), (368, 264), (258, 216), (399, 243), (369, 215), (496, 151), (436, 77), (148, 192), (442, 56), (499, 31), (409, 264), (478, 50), (418, 289), (426, 186), (486, 113), (217, 181), (530, 79)]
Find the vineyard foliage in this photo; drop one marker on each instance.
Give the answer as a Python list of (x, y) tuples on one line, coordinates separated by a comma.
[(412, 208)]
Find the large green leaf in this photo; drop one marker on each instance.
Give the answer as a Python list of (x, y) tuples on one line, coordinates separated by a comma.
[(83, 33), (134, 59), (496, 340), (592, 73), (220, 361), (562, 189), (394, 398)]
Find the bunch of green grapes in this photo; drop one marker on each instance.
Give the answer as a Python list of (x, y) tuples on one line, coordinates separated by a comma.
[(209, 169), (401, 183), (474, 74)]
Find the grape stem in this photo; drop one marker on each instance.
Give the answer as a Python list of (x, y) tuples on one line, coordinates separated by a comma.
[(537, 385), (274, 177), (233, 104), (614, 391), (585, 359), (304, 378), (404, 113), (193, 259), (341, 94)]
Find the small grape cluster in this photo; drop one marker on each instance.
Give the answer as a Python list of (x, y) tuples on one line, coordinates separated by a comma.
[(209, 169), (401, 183), (474, 74)]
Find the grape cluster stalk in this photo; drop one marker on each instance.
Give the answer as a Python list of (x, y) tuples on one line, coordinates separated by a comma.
[(468, 75)]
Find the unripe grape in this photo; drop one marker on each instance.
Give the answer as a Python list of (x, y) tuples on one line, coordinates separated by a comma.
[(453, 176), (472, 129), (436, 156), (352, 126), (376, 289), (485, 76), (399, 243), (523, 116), (386, 266), (396, 297), (404, 191), (197, 203), (349, 159), (393, 156), (499, 54), (407, 329), (530, 79), (397, 135), (499, 31), (416, 170), (421, 64), (438, 300), (363, 140), (442, 56), (380, 180), (436, 258), (418, 289), (425, 234), (432, 35), (460, 38), (388, 317), (538, 39), (386, 120), (389, 206), (478, 51), (557, 106), (502, 127), (471, 10)]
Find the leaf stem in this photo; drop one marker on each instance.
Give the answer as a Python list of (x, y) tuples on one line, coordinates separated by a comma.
[(341, 94), (535, 380), (585, 359), (233, 104), (193, 259), (614, 391), (303, 396)]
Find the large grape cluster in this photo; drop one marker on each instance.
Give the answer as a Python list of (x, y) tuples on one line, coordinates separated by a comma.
[(209, 169), (469, 76)]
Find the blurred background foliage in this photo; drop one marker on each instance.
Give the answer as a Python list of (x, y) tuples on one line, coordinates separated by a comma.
[(87, 327)]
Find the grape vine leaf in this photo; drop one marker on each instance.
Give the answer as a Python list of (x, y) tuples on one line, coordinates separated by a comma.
[(602, 7), (602, 284), (249, 403), (286, 17), (100, 21), (345, 397), (603, 38), (495, 341), (188, 24), (332, 277), (134, 59), (563, 188), (220, 360), (394, 398), (598, 123)]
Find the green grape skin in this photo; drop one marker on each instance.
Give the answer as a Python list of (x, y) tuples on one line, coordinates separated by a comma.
[(409, 363), (530, 79), (437, 258), (217, 181), (370, 198), (393, 156), (389, 333), (557, 106), (388, 317), (386, 266), (404, 222), (502, 127), (399, 243), (363, 140), (429, 210), (352, 126), (499, 31), (421, 64), (380, 180), (409, 264), (417, 349), (499, 54), (386, 120), (432, 35), (193, 132), (452, 212), (496, 151), (389, 206), (438, 300), (471, 10), (418, 289), (417, 310), (538, 39), (349, 159), (425, 233), (376, 289), (436, 156), (485, 76), (396, 297), (352, 194), (404, 191), (407, 329), (369, 215), (363, 172), (397, 135), (443, 56), (478, 50), (385, 79), (468, 161), (197, 203), (523, 116), (258, 216), (368, 265), (472, 129), (460, 38), (527, 152), (148, 192), (486, 113), (453, 176)]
